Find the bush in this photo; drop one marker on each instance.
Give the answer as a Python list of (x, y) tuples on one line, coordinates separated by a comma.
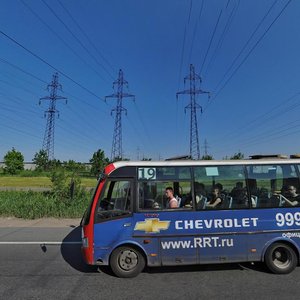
[(66, 185), (14, 162), (32, 205), (41, 160), (99, 162)]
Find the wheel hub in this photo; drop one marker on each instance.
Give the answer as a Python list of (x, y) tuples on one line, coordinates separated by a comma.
[(128, 260)]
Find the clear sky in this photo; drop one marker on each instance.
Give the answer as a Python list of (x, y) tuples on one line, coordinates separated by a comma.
[(246, 51)]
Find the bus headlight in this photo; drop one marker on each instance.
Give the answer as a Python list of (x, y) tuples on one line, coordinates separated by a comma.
[(85, 242)]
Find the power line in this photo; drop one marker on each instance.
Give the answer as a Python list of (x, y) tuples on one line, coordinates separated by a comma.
[(49, 65), (261, 119), (19, 102), (89, 40), (247, 43), (183, 44), (20, 131), (74, 36), (252, 49), (22, 70), (195, 30), (43, 81), (62, 40), (223, 34), (211, 39), (265, 135)]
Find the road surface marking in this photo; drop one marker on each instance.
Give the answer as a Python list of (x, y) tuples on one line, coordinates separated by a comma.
[(41, 243)]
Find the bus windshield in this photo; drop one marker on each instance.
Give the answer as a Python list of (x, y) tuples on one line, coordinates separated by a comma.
[(115, 199)]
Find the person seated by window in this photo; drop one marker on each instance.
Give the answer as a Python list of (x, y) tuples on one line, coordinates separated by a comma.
[(172, 201), (239, 195), (223, 192), (200, 194), (237, 189), (292, 197), (216, 199)]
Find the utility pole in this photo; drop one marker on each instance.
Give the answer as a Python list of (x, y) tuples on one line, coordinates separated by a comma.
[(118, 85), (193, 106), (48, 142)]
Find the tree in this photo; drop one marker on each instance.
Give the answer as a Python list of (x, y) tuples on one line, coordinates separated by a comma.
[(41, 160), (72, 165), (14, 161), (238, 155), (54, 164), (99, 162), (65, 185), (207, 157)]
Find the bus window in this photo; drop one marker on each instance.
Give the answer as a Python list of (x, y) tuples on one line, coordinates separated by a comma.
[(152, 194), (230, 182), (268, 184), (164, 173), (115, 200)]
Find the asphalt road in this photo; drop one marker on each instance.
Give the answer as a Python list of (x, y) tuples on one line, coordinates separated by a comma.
[(34, 264)]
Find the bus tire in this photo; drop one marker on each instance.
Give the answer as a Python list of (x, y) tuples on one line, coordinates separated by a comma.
[(127, 262), (281, 258)]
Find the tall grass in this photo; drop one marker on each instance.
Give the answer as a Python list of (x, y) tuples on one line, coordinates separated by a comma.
[(33, 205)]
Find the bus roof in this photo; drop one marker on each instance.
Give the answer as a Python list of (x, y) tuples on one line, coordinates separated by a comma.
[(188, 163)]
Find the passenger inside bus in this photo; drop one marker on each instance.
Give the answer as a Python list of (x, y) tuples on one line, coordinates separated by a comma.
[(216, 199), (200, 195), (292, 198), (239, 195), (172, 201)]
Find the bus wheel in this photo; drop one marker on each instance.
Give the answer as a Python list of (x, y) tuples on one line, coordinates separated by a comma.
[(127, 262), (281, 258)]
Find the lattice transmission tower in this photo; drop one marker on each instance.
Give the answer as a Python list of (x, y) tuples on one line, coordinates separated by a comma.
[(118, 86), (206, 147), (193, 91), (48, 142)]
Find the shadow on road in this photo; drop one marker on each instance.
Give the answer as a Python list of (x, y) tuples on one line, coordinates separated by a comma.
[(72, 255), (72, 252), (259, 267)]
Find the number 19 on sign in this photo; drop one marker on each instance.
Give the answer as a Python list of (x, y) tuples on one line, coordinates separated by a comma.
[(147, 173)]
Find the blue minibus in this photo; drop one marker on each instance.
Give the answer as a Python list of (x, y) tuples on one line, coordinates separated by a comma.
[(226, 211)]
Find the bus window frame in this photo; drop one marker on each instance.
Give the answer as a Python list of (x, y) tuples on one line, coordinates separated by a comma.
[(264, 176), (245, 180), (109, 180), (174, 181)]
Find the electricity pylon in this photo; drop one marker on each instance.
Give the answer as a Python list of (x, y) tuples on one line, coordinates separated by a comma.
[(193, 106), (48, 142), (118, 85)]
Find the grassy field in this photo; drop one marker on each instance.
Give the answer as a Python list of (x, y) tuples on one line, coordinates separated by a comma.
[(40, 182), (34, 197), (33, 205)]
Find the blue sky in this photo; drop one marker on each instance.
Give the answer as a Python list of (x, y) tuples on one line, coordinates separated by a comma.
[(247, 53)]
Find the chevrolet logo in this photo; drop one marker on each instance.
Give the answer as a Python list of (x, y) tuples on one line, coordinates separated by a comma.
[(152, 225)]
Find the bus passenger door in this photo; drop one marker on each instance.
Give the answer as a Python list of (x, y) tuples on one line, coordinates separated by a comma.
[(176, 248), (177, 251), (216, 246), (221, 248)]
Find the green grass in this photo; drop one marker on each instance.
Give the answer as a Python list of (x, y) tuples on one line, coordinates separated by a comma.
[(43, 181), (33, 205)]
